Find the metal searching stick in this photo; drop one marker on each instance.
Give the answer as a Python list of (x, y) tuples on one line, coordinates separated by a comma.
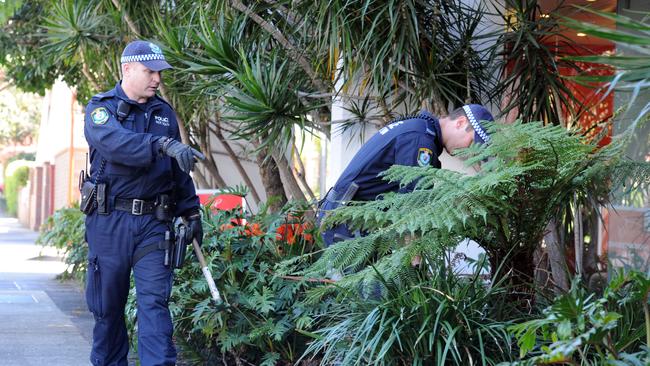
[(216, 296)]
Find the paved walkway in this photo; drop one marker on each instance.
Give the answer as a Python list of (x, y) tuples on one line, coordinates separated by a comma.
[(43, 321)]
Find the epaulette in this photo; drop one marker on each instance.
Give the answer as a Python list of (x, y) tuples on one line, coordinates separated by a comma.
[(105, 95), (427, 118)]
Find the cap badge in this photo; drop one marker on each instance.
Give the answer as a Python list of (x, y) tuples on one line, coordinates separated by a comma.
[(155, 49)]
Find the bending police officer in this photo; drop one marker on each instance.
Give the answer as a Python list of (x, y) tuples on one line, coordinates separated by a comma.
[(414, 141), (141, 172)]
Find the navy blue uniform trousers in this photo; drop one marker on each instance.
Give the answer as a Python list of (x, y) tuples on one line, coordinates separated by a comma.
[(112, 240)]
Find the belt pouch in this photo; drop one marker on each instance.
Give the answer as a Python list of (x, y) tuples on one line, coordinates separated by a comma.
[(102, 206), (163, 211), (88, 203)]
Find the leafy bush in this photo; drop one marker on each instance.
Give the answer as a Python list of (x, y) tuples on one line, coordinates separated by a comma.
[(29, 156), (65, 231), (14, 181), (441, 318), (267, 315), (581, 328)]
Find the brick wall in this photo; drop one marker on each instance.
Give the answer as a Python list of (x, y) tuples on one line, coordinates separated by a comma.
[(66, 186)]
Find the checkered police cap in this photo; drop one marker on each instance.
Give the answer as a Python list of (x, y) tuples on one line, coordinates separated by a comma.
[(147, 53), (476, 113)]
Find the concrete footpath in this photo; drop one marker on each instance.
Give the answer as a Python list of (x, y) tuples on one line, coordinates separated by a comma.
[(43, 321)]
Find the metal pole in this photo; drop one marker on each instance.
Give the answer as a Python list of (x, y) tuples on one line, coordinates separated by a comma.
[(207, 274)]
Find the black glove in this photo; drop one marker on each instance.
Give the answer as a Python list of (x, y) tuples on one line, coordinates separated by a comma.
[(195, 227), (185, 155)]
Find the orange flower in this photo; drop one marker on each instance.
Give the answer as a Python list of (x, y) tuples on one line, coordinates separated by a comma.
[(225, 227), (285, 232), (279, 232), (291, 232), (254, 230)]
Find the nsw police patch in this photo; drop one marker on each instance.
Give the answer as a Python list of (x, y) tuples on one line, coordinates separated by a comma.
[(99, 116), (424, 156)]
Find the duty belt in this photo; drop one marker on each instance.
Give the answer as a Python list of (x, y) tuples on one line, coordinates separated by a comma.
[(135, 206)]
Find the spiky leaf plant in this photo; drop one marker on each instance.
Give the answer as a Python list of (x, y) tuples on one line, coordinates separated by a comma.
[(528, 172), (438, 318), (528, 47), (419, 52)]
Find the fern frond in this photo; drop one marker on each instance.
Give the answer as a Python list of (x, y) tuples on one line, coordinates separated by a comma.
[(528, 174)]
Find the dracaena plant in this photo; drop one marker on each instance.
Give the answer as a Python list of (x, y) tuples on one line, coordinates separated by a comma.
[(435, 317)]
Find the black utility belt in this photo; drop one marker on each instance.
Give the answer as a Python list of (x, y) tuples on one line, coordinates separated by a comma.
[(162, 207), (135, 206)]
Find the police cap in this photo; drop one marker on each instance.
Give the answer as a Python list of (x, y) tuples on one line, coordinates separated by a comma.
[(147, 53), (477, 114)]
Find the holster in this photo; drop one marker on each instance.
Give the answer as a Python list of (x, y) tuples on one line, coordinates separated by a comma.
[(180, 245), (92, 192), (174, 245)]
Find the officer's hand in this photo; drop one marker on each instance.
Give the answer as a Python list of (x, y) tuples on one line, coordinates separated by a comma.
[(195, 227), (185, 155)]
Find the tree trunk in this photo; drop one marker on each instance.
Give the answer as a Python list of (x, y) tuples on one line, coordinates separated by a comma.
[(517, 270), (199, 179), (86, 71), (542, 273), (300, 173), (294, 52), (556, 257), (578, 238), (291, 186), (209, 162), (272, 182), (127, 18)]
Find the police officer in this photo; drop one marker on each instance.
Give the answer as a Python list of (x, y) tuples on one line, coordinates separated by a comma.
[(142, 171), (414, 141)]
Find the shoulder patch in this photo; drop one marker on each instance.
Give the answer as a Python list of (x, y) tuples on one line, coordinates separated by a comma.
[(99, 115), (424, 156)]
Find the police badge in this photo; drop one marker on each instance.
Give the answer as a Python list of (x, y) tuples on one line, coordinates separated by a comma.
[(99, 116), (155, 49), (424, 156)]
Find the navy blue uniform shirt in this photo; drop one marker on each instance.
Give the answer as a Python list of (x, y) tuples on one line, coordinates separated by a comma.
[(412, 142), (134, 167)]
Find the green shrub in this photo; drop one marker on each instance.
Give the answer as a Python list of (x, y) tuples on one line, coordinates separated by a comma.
[(14, 181), (267, 314), (29, 156), (65, 231), (582, 328), (435, 317)]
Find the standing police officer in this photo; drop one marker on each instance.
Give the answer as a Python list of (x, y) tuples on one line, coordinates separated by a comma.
[(415, 141), (141, 172)]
